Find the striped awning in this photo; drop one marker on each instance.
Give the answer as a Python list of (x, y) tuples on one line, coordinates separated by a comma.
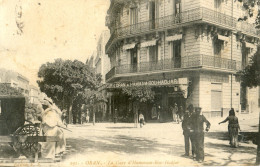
[(223, 38), (129, 46), (174, 37), (148, 43), (250, 45)]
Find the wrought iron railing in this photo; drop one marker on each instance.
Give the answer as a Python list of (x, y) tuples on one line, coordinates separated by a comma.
[(194, 61), (202, 14)]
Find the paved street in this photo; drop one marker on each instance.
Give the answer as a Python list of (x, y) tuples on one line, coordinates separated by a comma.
[(156, 144)]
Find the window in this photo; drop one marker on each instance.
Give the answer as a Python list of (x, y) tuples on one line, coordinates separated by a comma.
[(176, 54), (153, 13), (177, 10), (153, 53), (245, 53), (218, 44), (133, 16), (177, 7), (217, 5), (133, 57)]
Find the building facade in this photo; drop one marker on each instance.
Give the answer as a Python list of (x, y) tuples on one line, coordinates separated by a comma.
[(16, 80), (188, 50)]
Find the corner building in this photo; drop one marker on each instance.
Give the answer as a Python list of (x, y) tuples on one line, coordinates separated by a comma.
[(188, 50)]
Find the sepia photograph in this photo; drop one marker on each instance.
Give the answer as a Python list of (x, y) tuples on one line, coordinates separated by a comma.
[(129, 83)]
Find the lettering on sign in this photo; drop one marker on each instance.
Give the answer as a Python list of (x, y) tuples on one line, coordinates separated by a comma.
[(179, 81)]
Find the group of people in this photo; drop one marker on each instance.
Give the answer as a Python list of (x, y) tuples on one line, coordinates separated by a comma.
[(177, 113), (193, 131)]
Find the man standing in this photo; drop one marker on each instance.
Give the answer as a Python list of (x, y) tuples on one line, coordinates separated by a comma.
[(198, 124), (188, 131), (176, 110)]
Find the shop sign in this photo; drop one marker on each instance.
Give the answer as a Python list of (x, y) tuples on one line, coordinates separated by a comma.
[(183, 81)]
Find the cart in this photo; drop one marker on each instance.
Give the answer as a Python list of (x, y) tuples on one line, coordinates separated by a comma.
[(22, 136)]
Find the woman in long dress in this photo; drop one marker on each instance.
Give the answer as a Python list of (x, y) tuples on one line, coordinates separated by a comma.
[(233, 127), (51, 123)]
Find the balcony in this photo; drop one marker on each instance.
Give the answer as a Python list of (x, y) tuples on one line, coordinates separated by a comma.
[(187, 62), (189, 16)]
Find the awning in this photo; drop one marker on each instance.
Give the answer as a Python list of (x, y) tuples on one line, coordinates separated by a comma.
[(250, 45), (148, 43), (129, 46), (174, 37), (223, 38)]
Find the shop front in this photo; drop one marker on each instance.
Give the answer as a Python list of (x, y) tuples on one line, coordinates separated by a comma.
[(167, 93)]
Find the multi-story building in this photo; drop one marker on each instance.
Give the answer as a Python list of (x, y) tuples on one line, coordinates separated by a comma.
[(34, 94), (188, 51), (102, 62), (91, 60), (16, 80)]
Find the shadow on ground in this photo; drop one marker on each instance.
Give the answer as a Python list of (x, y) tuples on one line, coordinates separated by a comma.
[(6, 151), (229, 154), (122, 144)]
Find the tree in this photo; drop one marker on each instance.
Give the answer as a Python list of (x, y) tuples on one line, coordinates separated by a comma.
[(65, 81), (93, 97), (140, 94), (250, 77)]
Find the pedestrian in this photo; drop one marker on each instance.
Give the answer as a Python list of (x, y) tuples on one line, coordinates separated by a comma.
[(198, 121), (181, 113), (83, 117), (159, 112), (174, 116), (233, 127), (141, 119), (176, 110), (64, 117), (52, 126), (87, 116), (188, 131)]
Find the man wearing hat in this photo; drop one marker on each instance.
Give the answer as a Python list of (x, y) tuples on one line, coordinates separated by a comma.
[(188, 131), (198, 123)]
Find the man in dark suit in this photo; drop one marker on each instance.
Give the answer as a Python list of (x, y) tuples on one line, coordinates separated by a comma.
[(187, 131), (198, 123)]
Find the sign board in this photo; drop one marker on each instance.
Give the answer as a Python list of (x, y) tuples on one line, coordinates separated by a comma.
[(171, 82)]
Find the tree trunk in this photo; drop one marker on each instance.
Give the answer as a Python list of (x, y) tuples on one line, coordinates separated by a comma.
[(70, 112), (258, 145), (94, 115)]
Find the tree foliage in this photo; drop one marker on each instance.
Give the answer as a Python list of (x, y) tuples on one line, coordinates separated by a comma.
[(139, 93), (7, 90), (250, 76), (65, 81)]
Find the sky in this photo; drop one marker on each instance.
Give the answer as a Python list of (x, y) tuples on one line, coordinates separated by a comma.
[(67, 29)]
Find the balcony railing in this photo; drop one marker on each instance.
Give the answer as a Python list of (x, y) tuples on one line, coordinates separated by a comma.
[(197, 14), (194, 61)]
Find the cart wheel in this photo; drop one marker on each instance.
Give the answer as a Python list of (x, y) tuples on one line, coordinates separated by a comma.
[(25, 148)]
